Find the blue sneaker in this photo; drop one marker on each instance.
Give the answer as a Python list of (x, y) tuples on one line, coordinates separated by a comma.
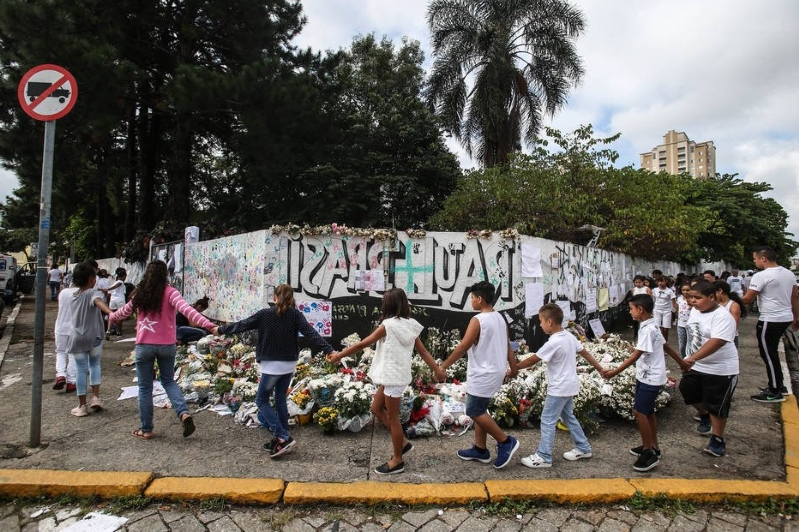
[(704, 427), (505, 452), (475, 454), (715, 447)]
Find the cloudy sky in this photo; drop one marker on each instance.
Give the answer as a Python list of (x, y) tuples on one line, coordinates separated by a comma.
[(720, 70)]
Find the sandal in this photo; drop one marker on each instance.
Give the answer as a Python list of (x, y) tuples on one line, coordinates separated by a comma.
[(139, 433), (188, 425)]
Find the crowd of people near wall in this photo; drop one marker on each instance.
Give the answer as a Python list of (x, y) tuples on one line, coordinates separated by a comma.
[(705, 309)]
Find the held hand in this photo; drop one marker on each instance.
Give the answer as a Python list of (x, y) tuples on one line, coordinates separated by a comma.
[(687, 364), (215, 331), (441, 375), (334, 357), (513, 372)]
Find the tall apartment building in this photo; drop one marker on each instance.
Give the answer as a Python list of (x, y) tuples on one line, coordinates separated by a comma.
[(678, 155)]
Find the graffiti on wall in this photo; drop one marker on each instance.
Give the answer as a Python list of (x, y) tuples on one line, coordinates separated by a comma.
[(239, 274)]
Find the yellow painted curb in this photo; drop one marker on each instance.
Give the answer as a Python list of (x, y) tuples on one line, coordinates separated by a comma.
[(235, 490), (374, 492), (792, 477), (103, 484), (588, 490), (713, 490), (790, 411)]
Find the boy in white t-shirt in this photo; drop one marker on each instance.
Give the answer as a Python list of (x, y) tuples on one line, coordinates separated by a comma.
[(713, 357), (559, 353), (665, 305), (490, 354), (650, 376)]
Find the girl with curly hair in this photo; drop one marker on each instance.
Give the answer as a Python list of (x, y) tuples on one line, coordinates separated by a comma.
[(155, 304)]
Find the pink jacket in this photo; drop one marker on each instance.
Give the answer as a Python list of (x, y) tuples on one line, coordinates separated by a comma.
[(159, 329)]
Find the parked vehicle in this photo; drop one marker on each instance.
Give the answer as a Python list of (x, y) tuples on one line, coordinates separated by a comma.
[(26, 278), (8, 277)]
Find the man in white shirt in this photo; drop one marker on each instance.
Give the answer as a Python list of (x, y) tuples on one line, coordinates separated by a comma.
[(774, 287)]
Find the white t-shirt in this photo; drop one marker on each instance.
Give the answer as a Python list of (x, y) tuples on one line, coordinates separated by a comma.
[(117, 300), (663, 297), (736, 284), (560, 354), (703, 326), (683, 311), (63, 320), (773, 287), (488, 359), (650, 368), (55, 275), (102, 283)]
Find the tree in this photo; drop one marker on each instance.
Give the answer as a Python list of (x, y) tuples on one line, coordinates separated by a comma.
[(499, 65), (383, 158), (555, 193)]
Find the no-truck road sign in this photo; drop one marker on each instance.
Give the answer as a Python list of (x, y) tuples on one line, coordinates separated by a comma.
[(47, 92)]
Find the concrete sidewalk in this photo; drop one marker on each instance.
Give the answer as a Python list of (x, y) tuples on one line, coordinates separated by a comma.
[(98, 456)]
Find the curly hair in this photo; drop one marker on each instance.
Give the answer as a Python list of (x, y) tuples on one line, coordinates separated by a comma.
[(150, 292)]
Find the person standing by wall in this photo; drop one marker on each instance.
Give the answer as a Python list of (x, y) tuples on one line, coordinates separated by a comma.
[(774, 288)]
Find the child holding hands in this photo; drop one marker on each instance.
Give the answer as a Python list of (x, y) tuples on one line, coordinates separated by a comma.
[(650, 376), (396, 337), (486, 340), (562, 385)]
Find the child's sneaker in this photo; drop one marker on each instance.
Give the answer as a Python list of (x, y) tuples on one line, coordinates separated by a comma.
[(96, 404), (535, 461), (505, 452), (704, 427), (70, 387), (475, 454), (636, 451), (647, 460), (769, 396), (80, 411), (60, 382), (282, 447), (577, 454), (715, 447)]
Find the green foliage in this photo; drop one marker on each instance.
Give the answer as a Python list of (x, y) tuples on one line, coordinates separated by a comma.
[(499, 66), (556, 193), (661, 502)]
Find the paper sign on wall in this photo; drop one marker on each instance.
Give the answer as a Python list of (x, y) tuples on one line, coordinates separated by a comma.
[(319, 315), (596, 326), (534, 298), (531, 261)]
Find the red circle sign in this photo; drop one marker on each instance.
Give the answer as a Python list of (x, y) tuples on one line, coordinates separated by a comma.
[(47, 92)]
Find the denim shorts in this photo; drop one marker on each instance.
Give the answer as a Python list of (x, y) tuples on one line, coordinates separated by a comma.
[(645, 396), (476, 406)]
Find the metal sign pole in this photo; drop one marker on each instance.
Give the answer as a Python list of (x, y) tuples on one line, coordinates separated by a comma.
[(41, 283)]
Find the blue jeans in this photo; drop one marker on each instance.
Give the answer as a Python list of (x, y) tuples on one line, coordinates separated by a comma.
[(563, 408), (88, 361), (277, 418), (54, 286), (146, 356)]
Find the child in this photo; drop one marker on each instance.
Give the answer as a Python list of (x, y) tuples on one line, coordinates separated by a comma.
[(155, 304), (86, 307), (732, 302), (650, 376), (562, 385), (665, 305), (638, 288), (396, 337), (277, 352), (64, 362), (683, 311), (486, 340), (116, 301), (713, 359)]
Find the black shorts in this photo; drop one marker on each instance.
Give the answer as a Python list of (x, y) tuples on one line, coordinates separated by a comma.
[(713, 391)]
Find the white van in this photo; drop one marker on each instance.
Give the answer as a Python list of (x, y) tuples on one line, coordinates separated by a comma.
[(8, 277)]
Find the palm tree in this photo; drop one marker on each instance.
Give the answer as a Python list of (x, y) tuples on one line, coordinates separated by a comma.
[(499, 65)]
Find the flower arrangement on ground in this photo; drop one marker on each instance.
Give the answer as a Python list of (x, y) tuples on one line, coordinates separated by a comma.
[(354, 399), (327, 419)]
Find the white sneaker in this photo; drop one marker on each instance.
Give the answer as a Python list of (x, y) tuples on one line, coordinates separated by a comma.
[(80, 411), (96, 404), (535, 461), (576, 454)]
